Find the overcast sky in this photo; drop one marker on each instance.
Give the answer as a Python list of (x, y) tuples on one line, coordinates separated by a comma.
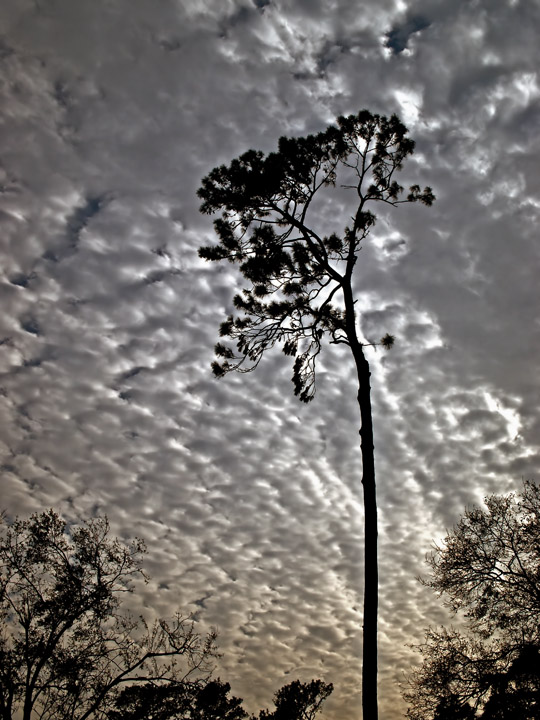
[(250, 503)]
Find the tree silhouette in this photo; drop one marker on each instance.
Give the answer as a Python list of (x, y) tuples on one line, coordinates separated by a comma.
[(68, 653), (299, 281), (211, 701), (488, 569), (66, 650), (178, 701), (298, 701)]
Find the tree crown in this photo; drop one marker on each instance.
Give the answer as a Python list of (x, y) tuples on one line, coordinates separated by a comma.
[(489, 569), (489, 564), (267, 227)]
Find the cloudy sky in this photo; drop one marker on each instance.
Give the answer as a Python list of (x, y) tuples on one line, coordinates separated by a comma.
[(111, 113)]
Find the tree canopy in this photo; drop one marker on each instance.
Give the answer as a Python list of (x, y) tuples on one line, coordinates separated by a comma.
[(488, 571), (178, 701), (301, 701), (268, 226)]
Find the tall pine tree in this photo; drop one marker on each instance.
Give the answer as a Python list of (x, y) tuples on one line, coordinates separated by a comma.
[(299, 282)]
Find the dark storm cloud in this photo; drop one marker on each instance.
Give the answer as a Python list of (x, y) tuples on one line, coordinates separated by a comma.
[(250, 502)]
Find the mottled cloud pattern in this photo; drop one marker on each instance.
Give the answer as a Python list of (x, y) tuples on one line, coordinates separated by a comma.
[(250, 503)]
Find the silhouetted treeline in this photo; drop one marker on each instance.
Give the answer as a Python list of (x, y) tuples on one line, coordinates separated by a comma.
[(68, 652)]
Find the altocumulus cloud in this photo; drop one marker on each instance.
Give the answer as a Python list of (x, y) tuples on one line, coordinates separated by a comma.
[(250, 503)]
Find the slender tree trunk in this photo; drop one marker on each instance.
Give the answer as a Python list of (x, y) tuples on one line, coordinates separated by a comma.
[(371, 573), (27, 708), (28, 692)]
